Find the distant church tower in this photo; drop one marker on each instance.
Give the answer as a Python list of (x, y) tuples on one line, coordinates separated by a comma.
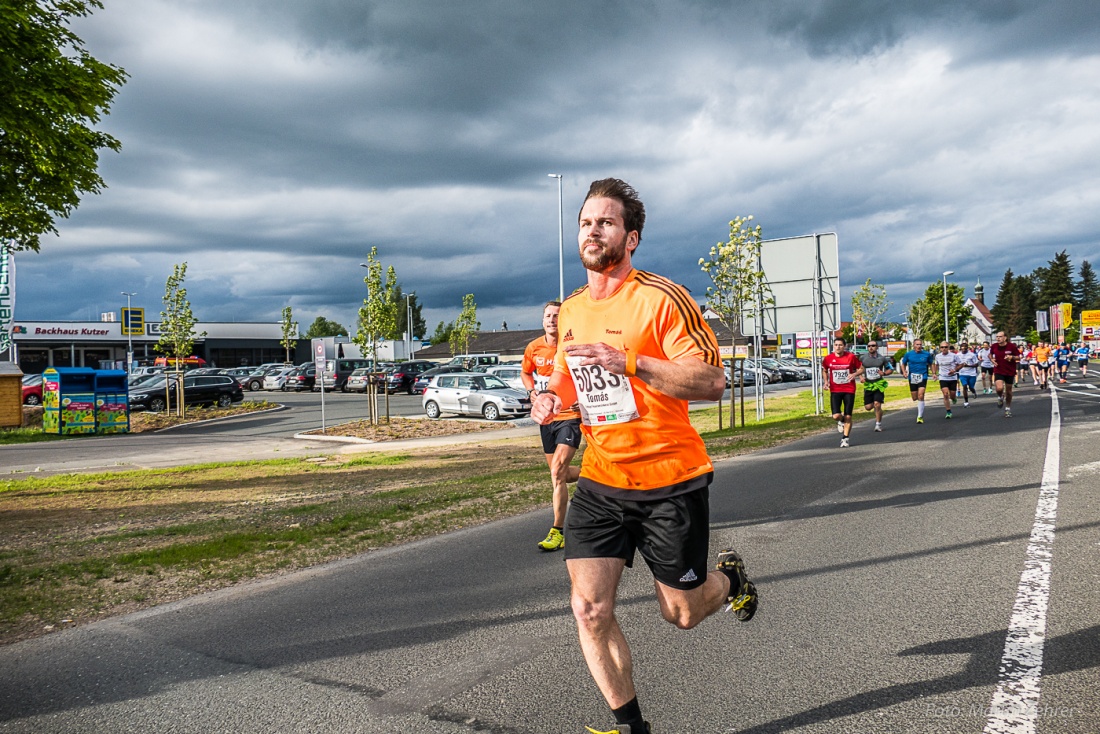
[(979, 292)]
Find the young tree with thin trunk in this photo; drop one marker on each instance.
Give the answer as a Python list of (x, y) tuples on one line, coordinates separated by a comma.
[(376, 318), (465, 326), (739, 287), (290, 332), (177, 330), (869, 305)]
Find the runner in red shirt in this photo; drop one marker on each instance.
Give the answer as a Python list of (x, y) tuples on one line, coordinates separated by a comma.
[(1005, 356), (840, 370)]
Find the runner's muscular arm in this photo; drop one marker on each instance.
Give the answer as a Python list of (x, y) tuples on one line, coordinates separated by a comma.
[(687, 378)]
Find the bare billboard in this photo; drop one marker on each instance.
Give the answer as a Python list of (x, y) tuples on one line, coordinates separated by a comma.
[(803, 276)]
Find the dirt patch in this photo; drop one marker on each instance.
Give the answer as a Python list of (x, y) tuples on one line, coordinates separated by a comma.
[(397, 429), (141, 421), (78, 548)]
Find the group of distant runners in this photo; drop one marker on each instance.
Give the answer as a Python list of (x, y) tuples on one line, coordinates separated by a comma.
[(1001, 366)]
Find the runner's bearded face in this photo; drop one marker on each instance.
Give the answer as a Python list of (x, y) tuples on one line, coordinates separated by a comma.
[(604, 241)]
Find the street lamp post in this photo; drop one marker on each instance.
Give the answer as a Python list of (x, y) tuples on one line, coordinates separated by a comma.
[(561, 240), (129, 337), (946, 333), (408, 322)]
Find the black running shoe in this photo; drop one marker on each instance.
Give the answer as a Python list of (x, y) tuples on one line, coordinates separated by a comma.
[(742, 599)]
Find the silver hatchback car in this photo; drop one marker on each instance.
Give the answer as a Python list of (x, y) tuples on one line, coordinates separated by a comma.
[(468, 393)]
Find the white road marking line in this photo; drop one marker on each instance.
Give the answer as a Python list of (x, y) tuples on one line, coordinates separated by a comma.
[(1015, 705), (1076, 392)]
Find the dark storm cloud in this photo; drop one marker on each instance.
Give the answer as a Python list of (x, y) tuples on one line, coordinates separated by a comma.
[(272, 144)]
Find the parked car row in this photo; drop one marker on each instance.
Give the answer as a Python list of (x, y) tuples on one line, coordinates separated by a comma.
[(159, 394)]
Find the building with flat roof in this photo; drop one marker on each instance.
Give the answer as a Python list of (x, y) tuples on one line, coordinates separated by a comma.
[(102, 344)]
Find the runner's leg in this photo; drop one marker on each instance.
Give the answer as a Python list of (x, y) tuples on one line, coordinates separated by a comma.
[(595, 583), (687, 608), (561, 473)]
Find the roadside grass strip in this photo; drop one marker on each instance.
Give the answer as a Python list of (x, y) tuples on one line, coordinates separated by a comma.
[(80, 546), (168, 534)]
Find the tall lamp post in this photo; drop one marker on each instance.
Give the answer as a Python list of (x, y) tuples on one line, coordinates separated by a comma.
[(129, 337), (409, 322), (946, 333), (561, 240)]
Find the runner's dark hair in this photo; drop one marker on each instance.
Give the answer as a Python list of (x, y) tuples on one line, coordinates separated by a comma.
[(624, 193)]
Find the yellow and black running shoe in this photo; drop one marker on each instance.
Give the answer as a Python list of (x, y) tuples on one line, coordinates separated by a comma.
[(554, 541), (742, 599), (621, 729)]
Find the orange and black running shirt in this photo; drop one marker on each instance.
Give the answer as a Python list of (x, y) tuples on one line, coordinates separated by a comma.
[(538, 360), (658, 453)]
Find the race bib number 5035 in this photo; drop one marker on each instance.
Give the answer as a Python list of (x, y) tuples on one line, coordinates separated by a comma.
[(604, 398)]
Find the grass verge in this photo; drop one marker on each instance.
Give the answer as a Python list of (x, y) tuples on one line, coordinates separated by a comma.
[(82, 546)]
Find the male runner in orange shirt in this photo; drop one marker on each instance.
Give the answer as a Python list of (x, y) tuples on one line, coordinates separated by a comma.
[(634, 350), (562, 436)]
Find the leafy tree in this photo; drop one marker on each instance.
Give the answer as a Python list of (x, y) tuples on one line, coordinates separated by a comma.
[(739, 288), (399, 302), (177, 327), (1001, 308), (869, 305), (465, 326), (1021, 306), (1086, 294), (739, 285), (378, 314), (1054, 283), (916, 315), (290, 332), (931, 312), (323, 327), (442, 333), (53, 91)]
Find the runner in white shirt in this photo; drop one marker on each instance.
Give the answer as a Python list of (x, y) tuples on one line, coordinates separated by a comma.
[(987, 369), (968, 373), (949, 365)]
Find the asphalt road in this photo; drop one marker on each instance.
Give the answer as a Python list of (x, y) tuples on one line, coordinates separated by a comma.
[(888, 574)]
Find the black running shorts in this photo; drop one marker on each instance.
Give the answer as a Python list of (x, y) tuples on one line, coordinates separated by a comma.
[(870, 397), (1004, 378), (556, 433), (672, 534), (845, 400), (989, 370), (951, 385)]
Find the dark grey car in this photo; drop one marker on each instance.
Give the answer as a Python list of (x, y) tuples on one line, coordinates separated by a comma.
[(220, 390)]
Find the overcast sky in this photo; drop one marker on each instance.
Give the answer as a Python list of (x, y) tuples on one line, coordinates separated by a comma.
[(271, 143)]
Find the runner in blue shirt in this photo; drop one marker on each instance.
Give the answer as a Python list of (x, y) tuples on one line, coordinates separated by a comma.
[(914, 366), (1082, 353), (1061, 355)]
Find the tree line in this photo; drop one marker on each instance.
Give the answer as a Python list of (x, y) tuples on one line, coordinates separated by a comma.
[(1020, 296)]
